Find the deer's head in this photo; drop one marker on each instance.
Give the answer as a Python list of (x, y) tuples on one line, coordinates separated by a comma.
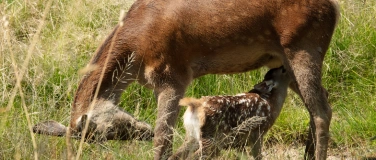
[(109, 122)]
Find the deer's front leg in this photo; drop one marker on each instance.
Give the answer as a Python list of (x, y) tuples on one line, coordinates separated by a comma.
[(168, 110)]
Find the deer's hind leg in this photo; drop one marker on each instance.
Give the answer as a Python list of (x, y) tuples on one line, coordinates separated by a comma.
[(304, 64)]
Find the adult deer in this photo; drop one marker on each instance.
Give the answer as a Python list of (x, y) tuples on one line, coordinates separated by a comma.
[(175, 41)]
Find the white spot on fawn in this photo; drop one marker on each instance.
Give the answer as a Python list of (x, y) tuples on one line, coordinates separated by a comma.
[(242, 101)]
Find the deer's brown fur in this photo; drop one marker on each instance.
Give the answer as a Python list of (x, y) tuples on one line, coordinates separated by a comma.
[(175, 41)]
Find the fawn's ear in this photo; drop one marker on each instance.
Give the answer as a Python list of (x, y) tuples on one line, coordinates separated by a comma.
[(52, 128), (265, 86), (81, 125)]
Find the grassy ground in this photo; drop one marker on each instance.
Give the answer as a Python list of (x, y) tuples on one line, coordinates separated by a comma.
[(45, 44)]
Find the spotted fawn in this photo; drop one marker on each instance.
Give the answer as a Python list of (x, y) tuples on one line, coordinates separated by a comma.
[(213, 123)]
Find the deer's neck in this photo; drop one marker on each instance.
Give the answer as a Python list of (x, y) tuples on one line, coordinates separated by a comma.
[(110, 71)]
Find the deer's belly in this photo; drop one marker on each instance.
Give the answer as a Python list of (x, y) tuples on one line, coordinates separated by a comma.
[(236, 60)]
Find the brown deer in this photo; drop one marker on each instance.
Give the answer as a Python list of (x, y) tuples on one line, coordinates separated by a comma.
[(213, 123), (175, 41)]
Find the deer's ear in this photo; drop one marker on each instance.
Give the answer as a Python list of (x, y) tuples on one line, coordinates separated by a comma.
[(52, 128)]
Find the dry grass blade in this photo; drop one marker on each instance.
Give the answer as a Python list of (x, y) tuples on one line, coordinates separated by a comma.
[(249, 124), (29, 51)]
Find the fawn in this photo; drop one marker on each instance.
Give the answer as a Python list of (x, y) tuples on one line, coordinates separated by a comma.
[(213, 123)]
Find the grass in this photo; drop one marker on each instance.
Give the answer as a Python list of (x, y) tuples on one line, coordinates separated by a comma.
[(71, 31)]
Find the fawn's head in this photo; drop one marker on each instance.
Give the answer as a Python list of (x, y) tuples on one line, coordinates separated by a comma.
[(274, 78)]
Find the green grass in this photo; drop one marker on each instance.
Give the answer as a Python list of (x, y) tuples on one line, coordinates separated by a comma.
[(73, 30)]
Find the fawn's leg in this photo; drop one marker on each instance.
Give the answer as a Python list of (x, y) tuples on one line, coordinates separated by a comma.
[(256, 144), (209, 149), (186, 149)]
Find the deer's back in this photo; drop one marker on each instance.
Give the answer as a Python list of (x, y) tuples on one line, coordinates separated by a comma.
[(205, 35), (223, 113)]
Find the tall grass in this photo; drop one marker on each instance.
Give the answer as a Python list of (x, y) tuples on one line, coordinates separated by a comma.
[(71, 32), (350, 75)]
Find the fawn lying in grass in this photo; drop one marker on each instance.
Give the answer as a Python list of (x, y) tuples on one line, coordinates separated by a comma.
[(213, 123)]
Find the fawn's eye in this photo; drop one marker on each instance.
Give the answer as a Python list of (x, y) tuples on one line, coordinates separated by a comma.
[(283, 70)]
